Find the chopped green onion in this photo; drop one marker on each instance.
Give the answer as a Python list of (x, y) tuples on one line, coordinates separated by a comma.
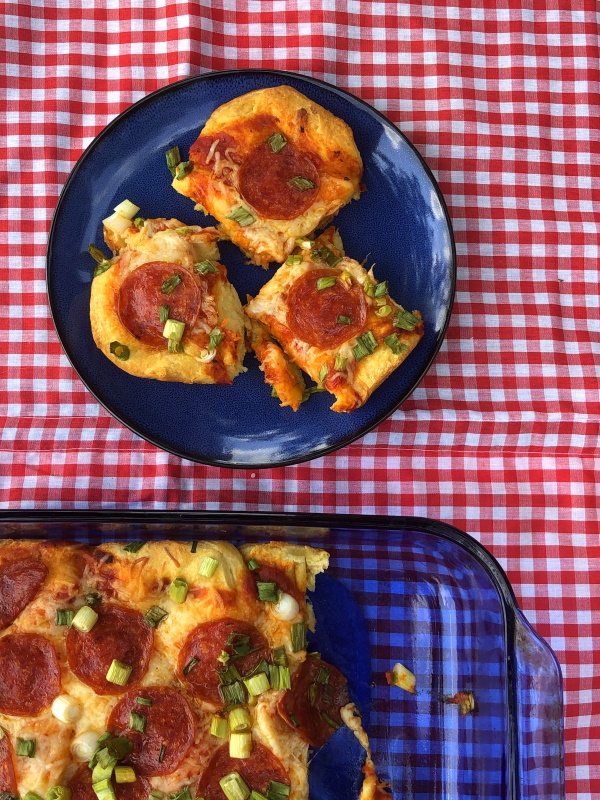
[(156, 794), (335, 725), (224, 657), (64, 616), (280, 677), (103, 790), (25, 747), (161, 755), (257, 684), (380, 301), (405, 320), (190, 665), (208, 567), (137, 722), (262, 666), (178, 590), (294, 720), (194, 547), (104, 737), (119, 746), (138, 222), (96, 253), (267, 591), (143, 701), (252, 564), (124, 775), (163, 313), (254, 795), (182, 794), (174, 345), (323, 675), (323, 373), (118, 672), (359, 350), (280, 656), (314, 654), (171, 283), (206, 268), (278, 791), (240, 744), (173, 159), (184, 169), (381, 289), (365, 345), (154, 616), (304, 242), (242, 216), (85, 619), (233, 693), (218, 727), (29, 796), (300, 183), (340, 362), (183, 231), (92, 598), (394, 344), (216, 337), (370, 341), (101, 268), (230, 673), (326, 255), (294, 259), (369, 288), (277, 142), (239, 719), (298, 637), (326, 281), (313, 691), (342, 319), (58, 793), (234, 787), (133, 547), (101, 773), (121, 351), (383, 311)]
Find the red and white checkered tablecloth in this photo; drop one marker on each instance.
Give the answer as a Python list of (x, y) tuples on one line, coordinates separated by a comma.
[(501, 438)]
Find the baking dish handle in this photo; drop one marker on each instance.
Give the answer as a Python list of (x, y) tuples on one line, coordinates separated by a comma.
[(539, 716)]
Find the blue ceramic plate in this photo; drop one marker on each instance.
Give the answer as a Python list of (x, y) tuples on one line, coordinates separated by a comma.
[(401, 223)]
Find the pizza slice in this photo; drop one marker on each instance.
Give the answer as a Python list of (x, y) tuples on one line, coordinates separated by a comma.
[(271, 166), (324, 313), (163, 307)]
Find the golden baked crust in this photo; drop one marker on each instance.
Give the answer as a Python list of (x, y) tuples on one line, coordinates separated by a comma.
[(221, 179), (171, 243), (338, 368)]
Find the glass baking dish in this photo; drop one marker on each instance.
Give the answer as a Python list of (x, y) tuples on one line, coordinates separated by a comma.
[(401, 589)]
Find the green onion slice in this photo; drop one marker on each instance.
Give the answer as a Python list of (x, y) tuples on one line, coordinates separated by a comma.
[(300, 183), (156, 794), (25, 747), (28, 796), (369, 288), (240, 744), (118, 672), (190, 665), (323, 373), (182, 794), (340, 362), (174, 345), (370, 341), (163, 313), (92, 598), (64, 616), (233, 693), (85, 619), (277, 142), (121, 351), (208, 567), (178, 590), (405, 320), (58, 793), (342, 319), (294, 720), (143, 701), (335, 725), (154, 616), (394, 344), (216, 337), (224, 657), (101, 268), (239, 719), (194, 547), (171, 283), (383, 311), (323, 675), (326, 255), (294, 259), (234, 787), (133, 547), (173, 159), (280, 656), (119, 746), (360, 350), (278, 791), (326, 281), (267, 591), (365, 345), (381, 289), (206, 268), (183, 169), (161, 755), (96, 253), (137, 722), (218, 727), (257, 684), (298, 637), (124, 774), (252, 564), (138, 222), (242, 216), (313, 691)]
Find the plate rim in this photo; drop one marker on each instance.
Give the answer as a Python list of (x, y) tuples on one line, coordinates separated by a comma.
[(343, 441)]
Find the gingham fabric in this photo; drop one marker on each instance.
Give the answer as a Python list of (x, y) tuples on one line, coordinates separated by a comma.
[(501, 438)]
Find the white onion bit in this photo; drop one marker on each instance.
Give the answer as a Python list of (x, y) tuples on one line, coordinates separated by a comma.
[(286, 608), (84, 746), (66, 709)]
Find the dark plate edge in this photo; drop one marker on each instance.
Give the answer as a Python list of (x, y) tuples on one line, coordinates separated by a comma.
[(216, 462)]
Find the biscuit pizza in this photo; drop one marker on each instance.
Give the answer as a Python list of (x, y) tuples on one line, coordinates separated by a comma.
[(324, 314), (163, 307), (270, 165), (141, 670)]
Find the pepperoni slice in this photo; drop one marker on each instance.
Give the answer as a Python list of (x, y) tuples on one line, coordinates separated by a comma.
[(310, 708), (264, 181), (270, 574), (20, 581), (8, 781), (313, 313), (206, 642), (29, 674), (141, 296), (81, 787), (257, 771), (169, 721), (120, 634)]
